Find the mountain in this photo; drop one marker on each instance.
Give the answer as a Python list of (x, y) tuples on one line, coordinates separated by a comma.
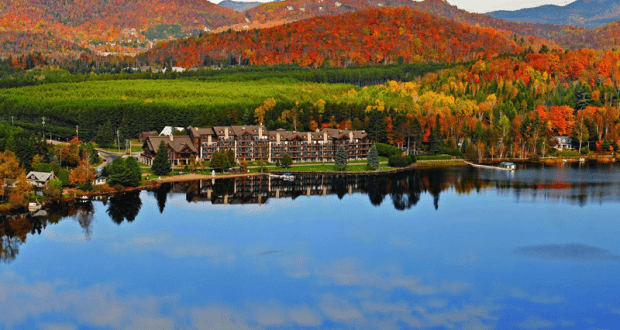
[(239, 6), (14, 44), (294, 10), (587, 13), (111, 20), (375, 36)]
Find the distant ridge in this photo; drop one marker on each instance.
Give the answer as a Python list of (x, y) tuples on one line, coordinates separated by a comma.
[(239, 6), (369, 37), (586, 13)]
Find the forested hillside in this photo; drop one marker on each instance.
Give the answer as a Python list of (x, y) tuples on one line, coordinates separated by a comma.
[(506, 105), (380, 36), (111, 20)]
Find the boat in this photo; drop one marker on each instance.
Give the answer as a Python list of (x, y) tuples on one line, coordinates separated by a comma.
[(288, 177), (82, 199), (582, 160), (508, 165)]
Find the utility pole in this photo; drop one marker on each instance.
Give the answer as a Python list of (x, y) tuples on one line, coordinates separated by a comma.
[(43, 127), (127, 147), (118, 140), (77, 132)]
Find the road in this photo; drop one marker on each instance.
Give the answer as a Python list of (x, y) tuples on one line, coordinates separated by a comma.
[(107, 156)]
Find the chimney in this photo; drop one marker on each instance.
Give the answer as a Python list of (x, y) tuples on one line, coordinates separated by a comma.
[(350, 136), (209, 139), (260, 132), (324, 137), (171, 137), (309, 138), (226, 133), (278, 137)]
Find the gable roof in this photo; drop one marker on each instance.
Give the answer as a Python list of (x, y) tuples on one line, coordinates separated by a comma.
[(178, 143), (197, 131), (40, 176)]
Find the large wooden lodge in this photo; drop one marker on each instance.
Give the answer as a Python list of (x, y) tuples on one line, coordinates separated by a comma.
[(255, 142)]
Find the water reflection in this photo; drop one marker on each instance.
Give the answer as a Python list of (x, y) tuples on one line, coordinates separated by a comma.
[(576, 185), (14, 228), (561, 252), (124, 207), (362, 252)]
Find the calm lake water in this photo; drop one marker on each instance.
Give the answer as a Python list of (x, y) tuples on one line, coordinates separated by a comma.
[(446, 248)]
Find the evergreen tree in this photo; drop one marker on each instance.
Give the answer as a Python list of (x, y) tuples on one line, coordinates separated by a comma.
[(436, 141), (161, 163), (373, 157), (133, 172), (125, 172), (105, 135), (286, 160), (341, 159), (219, 160)]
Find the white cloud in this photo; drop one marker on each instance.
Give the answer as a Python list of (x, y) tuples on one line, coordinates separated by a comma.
[(217, 253), (54, 326), (340, 310), (537, 298), (218, 317), (98, 305), (534, 322), (305, 317)]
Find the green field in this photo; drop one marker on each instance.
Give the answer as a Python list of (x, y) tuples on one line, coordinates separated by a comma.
[(175, 92), (133, 106)]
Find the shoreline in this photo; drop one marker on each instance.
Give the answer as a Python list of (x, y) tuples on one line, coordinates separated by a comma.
[(156, 183)]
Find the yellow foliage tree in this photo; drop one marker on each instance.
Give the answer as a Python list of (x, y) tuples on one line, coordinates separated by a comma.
[(260, 112)]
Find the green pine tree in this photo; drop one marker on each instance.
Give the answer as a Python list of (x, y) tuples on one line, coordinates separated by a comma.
[(105, 135), (436, 140), (373, 157), (161, 163), (286, 160), (341, 159)]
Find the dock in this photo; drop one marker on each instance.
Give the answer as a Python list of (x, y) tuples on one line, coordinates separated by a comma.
[(489, 167)]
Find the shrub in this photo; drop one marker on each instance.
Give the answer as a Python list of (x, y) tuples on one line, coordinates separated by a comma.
[(400, 161), (427, 157), (452, 152), (387, 150), (585, 150), (570, 153)]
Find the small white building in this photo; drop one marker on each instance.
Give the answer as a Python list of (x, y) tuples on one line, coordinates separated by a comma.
[(169, 130), (100, 180), (563, 142), (174, 69), (39, 179)]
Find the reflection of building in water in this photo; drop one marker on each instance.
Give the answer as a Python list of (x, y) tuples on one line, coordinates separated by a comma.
[(405, 188), (259, 189)]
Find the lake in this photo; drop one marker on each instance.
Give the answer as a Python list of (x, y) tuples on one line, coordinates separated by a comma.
[(448, 248)]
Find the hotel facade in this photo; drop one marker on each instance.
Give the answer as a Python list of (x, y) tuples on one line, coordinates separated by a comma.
[(254, 143)]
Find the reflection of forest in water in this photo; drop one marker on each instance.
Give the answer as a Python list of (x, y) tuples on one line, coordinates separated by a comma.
[(14, 228), (573, 185), (402, 190)]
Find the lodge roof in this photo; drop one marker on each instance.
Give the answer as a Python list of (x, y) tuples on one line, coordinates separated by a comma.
[(177, 143)]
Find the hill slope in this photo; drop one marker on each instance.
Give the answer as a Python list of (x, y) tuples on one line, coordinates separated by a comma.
[(293, 10), (110, 20), (588, 13), (377, 36)]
